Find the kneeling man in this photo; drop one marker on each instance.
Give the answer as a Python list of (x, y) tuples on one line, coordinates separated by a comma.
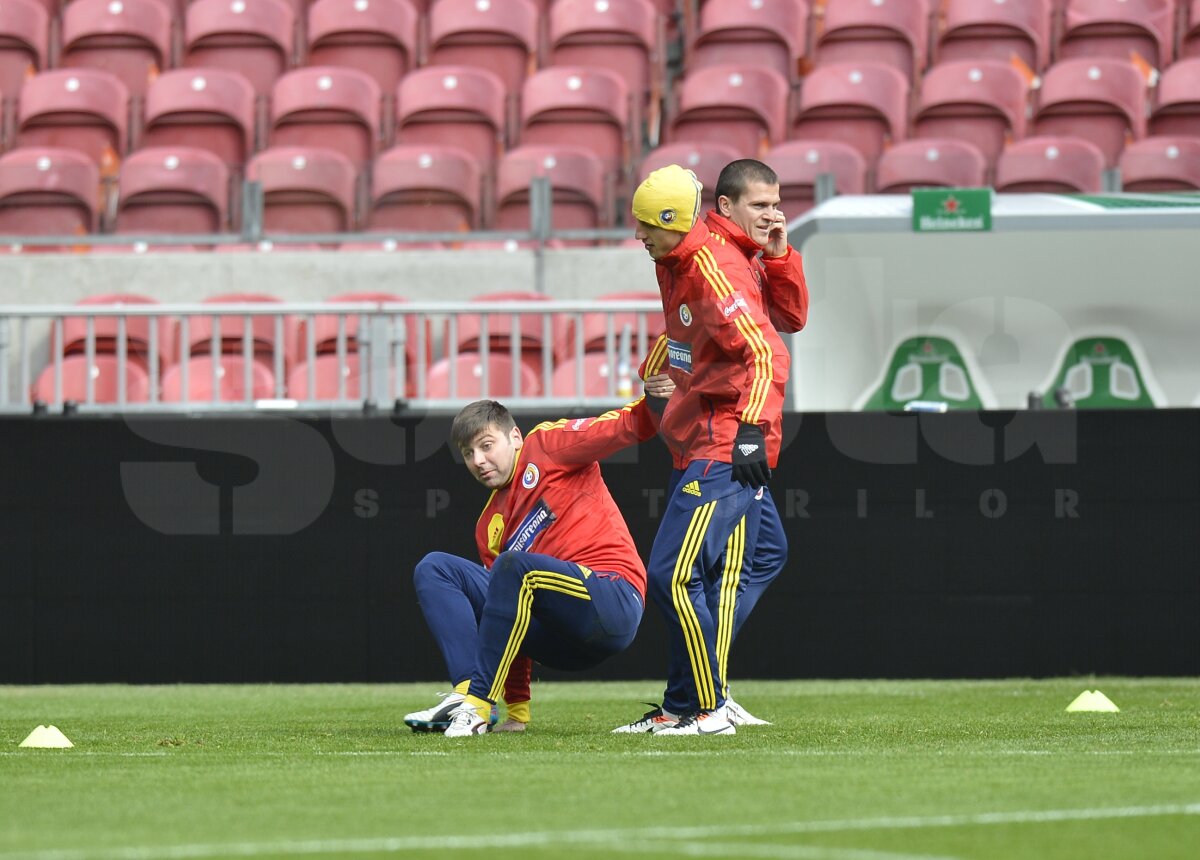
[(560, 580)]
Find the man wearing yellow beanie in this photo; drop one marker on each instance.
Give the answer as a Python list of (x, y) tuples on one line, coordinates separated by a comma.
[(666, 206), (723, 426)]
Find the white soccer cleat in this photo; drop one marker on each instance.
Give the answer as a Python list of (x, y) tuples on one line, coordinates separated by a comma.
[(652, 721), (702, 723), (437, 718), (739, 716), (465, 722)]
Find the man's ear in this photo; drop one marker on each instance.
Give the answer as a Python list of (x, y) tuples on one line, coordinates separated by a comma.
[(724, 205), (517, 439)]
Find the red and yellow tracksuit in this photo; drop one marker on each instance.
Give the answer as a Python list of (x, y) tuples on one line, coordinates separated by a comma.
[(729, 365)]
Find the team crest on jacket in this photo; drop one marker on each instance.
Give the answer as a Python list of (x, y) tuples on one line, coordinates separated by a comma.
[(685, 315), (530, 478)]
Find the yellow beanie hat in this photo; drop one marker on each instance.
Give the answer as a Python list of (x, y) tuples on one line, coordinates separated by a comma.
[(668, 198)]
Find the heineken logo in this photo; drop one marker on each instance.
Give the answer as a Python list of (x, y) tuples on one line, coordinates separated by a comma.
[(950, 210)]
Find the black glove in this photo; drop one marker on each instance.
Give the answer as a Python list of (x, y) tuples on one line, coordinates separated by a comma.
[(657, 405), (750, 457)]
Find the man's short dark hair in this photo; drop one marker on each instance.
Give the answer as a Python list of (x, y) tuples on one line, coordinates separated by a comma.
[(477, 417), (736, 177)]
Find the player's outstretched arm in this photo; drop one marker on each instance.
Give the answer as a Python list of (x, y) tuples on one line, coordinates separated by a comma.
[(580, 441)]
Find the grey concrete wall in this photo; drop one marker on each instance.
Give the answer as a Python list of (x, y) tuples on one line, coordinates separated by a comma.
[(574, 273)]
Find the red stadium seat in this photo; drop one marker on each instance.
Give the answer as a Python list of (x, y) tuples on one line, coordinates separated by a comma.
[(574, 104), (1051, 164), (105, 374), (230, 384), (704, 158), (330, 107), (24, 45), (305, 190), (106, 331), (798, 163), (774, 32), (325, 328), (1189, 41), (262, 329), (884, 31), (1117, 29), (453, 106), (577, 183), (82, 109), (326, 370), (977, 30), (425, 188), (863, 104), (173, 190), (745, 106), (530, 327), (1100, 99), (1161, 164), (621, 37), (212, 109), (1177, 106), (933, 162), (983, 102), (595, 327), (468, 384), (376, 37), (253, 37), (501, 37), (48, 192), (600, 378), (130, 38)]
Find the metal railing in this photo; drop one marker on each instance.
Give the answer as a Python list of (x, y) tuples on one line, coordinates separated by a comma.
[(398, 355)]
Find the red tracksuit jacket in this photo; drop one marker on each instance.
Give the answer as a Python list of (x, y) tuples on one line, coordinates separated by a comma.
[(726, 359), (556, 502), (780, 279)]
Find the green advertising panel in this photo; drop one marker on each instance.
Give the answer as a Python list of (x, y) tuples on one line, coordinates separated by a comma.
[(951, 210), (929, 369), (1101, 373)]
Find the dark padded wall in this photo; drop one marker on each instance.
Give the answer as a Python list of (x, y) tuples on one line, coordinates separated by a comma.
[(281, 548)]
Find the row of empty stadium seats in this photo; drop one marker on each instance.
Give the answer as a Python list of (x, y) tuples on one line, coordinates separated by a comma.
[(137, 38), (288, 347), (327, 377), (307, 190), (747, 104), (577, 126), (187, 191)]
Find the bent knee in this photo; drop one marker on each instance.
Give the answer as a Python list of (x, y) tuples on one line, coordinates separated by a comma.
[(510, 563), (432, 566)]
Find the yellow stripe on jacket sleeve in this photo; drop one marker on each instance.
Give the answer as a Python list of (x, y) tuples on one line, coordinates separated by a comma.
[(657, 356), (763, 371), (765, 367)]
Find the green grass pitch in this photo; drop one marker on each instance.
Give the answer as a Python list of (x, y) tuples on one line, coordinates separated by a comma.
[(855, 770)]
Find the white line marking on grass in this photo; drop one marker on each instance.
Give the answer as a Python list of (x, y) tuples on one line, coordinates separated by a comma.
[(610, 839), (770, 851), (592, 755), (71, 753)]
